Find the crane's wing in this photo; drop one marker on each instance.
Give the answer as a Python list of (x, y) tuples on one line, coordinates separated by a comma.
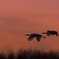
[(38, 38), (48, 33), (31, 37)]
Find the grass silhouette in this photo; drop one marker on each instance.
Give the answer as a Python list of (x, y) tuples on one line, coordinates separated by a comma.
[(11, 55), (30, 54)]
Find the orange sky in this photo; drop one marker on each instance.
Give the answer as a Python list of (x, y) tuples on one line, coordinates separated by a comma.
[(19, 17)]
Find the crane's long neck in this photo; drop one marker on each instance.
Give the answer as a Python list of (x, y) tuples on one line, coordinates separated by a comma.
[(28, 34), (44, 33), (44, 37)]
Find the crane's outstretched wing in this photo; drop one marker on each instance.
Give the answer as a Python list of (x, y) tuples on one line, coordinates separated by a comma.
[(38, 38), (48, 33), (31, 37)]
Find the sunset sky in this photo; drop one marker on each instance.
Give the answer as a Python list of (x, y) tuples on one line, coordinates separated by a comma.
[(21, 17)]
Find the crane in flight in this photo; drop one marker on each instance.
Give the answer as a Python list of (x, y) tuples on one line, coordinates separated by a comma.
[(49, 32), (31, 36)]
